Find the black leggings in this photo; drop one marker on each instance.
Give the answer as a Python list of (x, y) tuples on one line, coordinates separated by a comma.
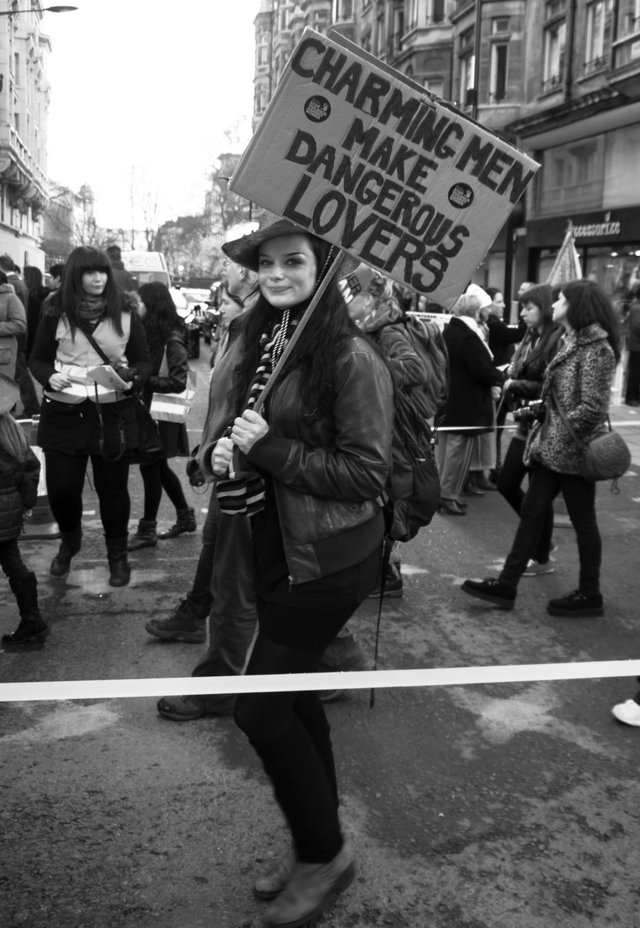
[(65, 483), (11, 560), (156, 478), (289, 731), (510, 479)]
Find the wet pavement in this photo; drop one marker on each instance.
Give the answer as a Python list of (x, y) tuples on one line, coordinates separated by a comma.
[(488, 806)]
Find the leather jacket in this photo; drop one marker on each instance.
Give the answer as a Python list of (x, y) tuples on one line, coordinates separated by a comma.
[(329, 472)]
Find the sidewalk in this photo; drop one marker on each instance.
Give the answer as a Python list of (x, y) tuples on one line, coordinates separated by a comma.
[(626, 420)]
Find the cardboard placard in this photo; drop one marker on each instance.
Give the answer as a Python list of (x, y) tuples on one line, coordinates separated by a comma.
[(358, 154)]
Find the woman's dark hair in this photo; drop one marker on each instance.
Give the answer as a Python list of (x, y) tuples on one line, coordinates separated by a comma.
[(71, 293), (161, 316), (589, 305), (3, 278), (33, 278), (541, 296), (492, 291), (317, 348)]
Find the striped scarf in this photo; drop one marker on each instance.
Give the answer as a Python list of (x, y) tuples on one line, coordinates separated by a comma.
[(243, 492)]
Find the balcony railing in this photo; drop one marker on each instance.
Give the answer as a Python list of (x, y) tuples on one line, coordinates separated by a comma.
[(596, 64), (552, 83)]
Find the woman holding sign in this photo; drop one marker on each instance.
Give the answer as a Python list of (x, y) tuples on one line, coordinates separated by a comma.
[(87, 319), (321, 447)]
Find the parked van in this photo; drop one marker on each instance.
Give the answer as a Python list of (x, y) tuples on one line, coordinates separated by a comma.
[(147, 267)]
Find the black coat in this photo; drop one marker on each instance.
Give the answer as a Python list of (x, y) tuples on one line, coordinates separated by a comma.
[(502, 338), (472, 375)]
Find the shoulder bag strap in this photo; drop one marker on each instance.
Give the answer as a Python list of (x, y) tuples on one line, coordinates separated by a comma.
[(89, 337), (566, 423)]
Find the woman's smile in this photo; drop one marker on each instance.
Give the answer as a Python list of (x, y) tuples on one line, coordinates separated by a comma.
[(287, 270)]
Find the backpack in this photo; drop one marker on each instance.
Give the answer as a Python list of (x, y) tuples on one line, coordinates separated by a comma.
[(428, 342), (412, 493)]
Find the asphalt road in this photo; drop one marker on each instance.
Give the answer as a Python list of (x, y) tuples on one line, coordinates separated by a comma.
[(494, 806)]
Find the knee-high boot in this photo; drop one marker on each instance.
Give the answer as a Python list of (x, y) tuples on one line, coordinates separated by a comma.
[(32, 629), (119, 570)]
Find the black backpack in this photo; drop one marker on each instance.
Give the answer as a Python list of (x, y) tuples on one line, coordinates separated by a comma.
[(413, 490)]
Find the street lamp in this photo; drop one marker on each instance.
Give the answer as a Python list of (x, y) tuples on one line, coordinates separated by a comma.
[(43, 9)]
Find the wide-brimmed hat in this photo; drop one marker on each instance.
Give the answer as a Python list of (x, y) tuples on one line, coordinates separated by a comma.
[(9, 394), (246, 249)]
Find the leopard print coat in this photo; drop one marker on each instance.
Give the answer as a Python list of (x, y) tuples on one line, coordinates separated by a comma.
[(580, 375)]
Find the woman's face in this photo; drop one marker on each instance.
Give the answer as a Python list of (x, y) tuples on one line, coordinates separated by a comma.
[(287, 270), (94, 282), (531, 315), (560, 308), (229, 309)]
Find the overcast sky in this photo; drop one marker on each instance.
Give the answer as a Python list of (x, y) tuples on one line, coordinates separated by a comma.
[(144, 90)]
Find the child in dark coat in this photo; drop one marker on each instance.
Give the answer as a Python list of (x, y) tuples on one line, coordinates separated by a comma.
[(19, 473)]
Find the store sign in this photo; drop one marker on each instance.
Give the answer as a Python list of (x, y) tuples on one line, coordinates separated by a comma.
[(604, 229), (354, 152)]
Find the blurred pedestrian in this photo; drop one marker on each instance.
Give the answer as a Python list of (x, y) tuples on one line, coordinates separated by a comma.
[(89, 306), (632, 326), (13, 323), (577, 381), (167, 340), (28, 396), (123, 279), (37, 293), (469, 407), (19, 473), (525, 375)]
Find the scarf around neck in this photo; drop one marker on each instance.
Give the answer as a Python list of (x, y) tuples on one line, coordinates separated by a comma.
[(91, 309)]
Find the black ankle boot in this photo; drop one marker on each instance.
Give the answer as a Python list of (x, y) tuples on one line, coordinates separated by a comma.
[(32, 629), (145, 537), (185, 522), (119, 570), (70, 544)]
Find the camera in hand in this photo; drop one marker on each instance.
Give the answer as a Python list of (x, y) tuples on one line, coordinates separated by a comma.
[(194, 474), (532, 412)]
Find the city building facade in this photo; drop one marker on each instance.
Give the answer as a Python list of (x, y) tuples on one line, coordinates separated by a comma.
[(560, 79), (24, 101)]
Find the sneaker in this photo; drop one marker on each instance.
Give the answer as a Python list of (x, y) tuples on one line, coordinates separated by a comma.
[(577, 605), (393, 588), (491, 591), (182, 625), (187, 708), (537, 569), (627, 712)]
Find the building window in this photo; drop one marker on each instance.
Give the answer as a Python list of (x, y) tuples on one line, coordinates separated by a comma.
[(466, 66), (572, 177), (598, 14), (628, 18), (344, 11), (437, 11), (498, 79), (435, 85), (554, 42)]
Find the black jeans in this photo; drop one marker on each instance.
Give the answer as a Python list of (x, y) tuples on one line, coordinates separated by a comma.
[(11, 560), (289, 731), (65, 482), (580, 496), (509, 484), (156, 478)]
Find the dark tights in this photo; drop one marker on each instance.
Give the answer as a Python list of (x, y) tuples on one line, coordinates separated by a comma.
[(156, 478), (291, 735), (510, 478), (11, 560), (65, 483)]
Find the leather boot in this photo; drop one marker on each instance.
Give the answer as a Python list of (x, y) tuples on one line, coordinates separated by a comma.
[(185, 522), (32, 629), (145, 537), (119, 570), (70, 544)]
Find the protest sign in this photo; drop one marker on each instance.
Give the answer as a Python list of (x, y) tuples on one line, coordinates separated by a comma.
[(360, 155)]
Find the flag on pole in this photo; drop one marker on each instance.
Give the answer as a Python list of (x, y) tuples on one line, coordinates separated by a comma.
[(567, 264)]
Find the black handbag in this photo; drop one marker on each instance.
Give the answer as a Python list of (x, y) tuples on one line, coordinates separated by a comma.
[(126, 427)]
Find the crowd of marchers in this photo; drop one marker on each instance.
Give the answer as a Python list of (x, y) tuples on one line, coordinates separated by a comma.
[(294, 533)]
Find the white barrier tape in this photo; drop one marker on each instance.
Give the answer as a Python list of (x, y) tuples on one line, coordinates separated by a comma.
[(278, 683), (510, 426)]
